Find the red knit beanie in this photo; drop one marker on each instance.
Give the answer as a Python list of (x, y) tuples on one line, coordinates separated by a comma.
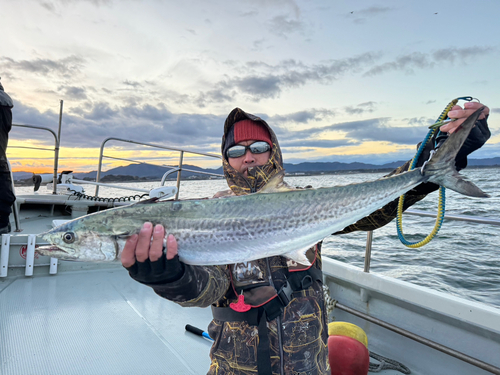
[(246, 130)]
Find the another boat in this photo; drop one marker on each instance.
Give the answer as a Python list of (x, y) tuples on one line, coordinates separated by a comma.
[(61, 317)]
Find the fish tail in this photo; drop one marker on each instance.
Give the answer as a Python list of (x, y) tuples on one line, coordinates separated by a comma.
[(440, 169)]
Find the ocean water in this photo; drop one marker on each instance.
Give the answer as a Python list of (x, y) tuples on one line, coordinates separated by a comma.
[(463, 260)]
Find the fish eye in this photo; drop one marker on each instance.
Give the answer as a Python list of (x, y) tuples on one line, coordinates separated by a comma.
[(69, 237)]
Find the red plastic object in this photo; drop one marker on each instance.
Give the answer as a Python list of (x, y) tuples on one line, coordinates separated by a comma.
[(347, 356), (240, 306)]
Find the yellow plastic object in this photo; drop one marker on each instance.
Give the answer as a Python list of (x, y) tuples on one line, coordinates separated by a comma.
[(347, 329), (442, 194)]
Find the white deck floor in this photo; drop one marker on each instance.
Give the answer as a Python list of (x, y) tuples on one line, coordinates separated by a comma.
[(96, 322)]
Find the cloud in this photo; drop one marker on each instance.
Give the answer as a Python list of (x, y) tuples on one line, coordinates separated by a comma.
[(269, 5), (48, 6), (419, 60), (67, 67), (89, 124), (284, 26), (72, 92), (378, 130), (134, 84), (354, 132), (318, 143), (217, 95), (257, 80), (99, 111), (360, 16), (88, 127), (406, 63), (302, 117), (258, 44), (418, 121), (453, 55), (51, 5), (259, 87), (372, 11), (24, 115), (268, 81), (361, 108), (148, 112)]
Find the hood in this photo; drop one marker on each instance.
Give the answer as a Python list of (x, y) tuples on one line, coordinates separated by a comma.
[(257, 176), (5, 99)]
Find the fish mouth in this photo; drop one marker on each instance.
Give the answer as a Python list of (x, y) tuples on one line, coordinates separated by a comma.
[(48, 249)]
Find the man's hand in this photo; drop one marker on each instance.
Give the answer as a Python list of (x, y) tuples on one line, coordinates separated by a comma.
[(461, 114), (145, 259)]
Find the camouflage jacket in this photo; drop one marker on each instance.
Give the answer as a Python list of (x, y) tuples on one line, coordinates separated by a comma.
[(298, 335)]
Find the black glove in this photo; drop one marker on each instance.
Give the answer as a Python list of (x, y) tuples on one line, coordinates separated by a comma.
[(161, 271), (477, 137)]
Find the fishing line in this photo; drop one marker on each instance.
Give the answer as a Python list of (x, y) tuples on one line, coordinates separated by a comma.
[(442, 119)]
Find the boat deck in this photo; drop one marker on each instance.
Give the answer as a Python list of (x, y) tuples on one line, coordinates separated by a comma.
[(96, 322)]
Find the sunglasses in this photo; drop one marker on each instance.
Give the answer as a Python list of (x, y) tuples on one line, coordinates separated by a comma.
[(240, 150)]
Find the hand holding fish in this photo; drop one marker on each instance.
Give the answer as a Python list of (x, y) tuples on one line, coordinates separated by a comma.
[(460, 115), (145, 259)]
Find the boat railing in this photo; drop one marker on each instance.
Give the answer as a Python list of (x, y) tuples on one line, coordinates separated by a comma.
[(55, 150), (177, 169), (364, 295), (467, 218), (57, 142)]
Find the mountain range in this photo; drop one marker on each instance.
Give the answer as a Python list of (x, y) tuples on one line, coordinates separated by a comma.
[(151, 171)]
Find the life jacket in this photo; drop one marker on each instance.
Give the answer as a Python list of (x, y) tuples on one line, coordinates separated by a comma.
[(262, 296)]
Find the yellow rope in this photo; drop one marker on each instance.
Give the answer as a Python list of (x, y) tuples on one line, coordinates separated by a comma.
[(439, 218)]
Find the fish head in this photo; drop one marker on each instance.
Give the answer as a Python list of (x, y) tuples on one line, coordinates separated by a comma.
[(69, 242)]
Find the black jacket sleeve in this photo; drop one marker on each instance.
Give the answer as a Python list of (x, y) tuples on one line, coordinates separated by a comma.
[(199, 286)]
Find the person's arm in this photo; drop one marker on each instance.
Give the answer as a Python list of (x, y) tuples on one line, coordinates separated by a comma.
[(186, 285), (476, 139)]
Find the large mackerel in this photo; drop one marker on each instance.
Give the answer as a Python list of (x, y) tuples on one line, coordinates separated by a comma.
[(275, 221)]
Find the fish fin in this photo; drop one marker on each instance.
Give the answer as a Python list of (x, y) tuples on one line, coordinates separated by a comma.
[(275, 184), (441, 167), (299, 256)]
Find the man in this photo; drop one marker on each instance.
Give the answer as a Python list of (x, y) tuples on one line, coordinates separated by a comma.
[(7, 197), (269, 314)]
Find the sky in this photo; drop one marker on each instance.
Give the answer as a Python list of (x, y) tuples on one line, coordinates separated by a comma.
[(337, 80)]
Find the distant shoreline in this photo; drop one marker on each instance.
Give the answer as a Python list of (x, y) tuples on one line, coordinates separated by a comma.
[(129, 178)]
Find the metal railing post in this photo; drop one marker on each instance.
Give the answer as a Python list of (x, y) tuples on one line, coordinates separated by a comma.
[(99, 167), (56, 151), (181, 157), (368, 251)]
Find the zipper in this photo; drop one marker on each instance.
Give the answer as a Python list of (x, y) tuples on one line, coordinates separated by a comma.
[(278, 323)]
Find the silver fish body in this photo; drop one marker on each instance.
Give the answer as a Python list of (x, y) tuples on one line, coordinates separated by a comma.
[(275, 221)]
